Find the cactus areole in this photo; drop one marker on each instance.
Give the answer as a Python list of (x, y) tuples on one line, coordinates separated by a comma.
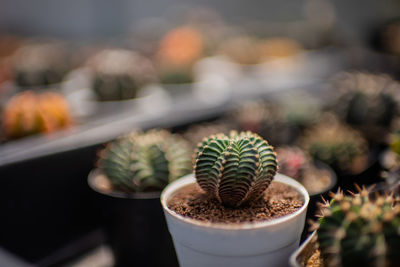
[(235, 169)]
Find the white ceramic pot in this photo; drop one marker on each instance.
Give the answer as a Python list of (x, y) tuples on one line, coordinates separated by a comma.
[(268, 243)]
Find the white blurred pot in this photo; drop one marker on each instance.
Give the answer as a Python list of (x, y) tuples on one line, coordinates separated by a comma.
[(268, 243)]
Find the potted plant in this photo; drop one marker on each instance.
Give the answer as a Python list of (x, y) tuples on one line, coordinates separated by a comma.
[(342, 148), (227, 218), (29, 113), (357, 230), (130, 175), (111, 81), (41, 65), (366, 101)]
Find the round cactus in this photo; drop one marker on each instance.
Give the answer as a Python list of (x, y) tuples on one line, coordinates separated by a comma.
[(41, 64), (28, 113), (236, 168), (359, 230), (145, 161), (367, 101), (179, 49), (336, 144), (118, 74)]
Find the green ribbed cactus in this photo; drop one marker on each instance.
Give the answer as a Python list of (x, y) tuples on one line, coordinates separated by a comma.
[(235, 169), (359, 230), (145, 161)]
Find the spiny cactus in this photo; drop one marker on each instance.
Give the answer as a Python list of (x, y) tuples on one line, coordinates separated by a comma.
[(367, 101), (146, 161), (29, 113), (118, 74), (359, 230), (41, 64), (236, 168), (336, 144)]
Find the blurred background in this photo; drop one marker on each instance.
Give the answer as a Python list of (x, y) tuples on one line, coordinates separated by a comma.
[(317, 78)]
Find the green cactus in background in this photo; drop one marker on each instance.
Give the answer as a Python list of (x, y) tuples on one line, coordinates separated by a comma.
[(367, 101), (264, 118), (359, 230), (118, 74), (145, 161), (235, 169), (336, 144)]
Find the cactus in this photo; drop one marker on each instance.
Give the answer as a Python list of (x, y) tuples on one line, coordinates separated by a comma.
[(28, 113), (367, 101), (118, 74), (336, 144), (359, 230), (235, 169), (265, 119), (179, 49), (41, 64), (147, 161), (292, 161)]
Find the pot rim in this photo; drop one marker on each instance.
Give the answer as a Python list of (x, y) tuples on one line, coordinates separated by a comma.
[(293, 258), (189, 179), (118, 194)]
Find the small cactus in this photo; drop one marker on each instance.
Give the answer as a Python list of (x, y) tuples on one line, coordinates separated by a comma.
[(336, 144), (29, 113), (118, 74), (366, 101), (146, 161), (265, 119), (41, 64), (292, 161), (359, 230), (179, 49), (236, 168)]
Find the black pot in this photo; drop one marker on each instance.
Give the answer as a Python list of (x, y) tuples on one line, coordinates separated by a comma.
[(135, 227)]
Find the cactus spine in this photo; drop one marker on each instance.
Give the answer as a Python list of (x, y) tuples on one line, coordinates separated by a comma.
[(360, 231), (145, 161), (235, 169)]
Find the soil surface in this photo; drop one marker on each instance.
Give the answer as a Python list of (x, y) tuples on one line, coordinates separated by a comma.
[(279, 200)]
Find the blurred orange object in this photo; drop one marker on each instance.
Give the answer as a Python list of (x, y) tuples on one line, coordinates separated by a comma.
[(29, 113), (181, 47)]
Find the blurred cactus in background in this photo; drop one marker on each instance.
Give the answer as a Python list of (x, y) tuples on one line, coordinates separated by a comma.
[(146, 161), (118, 74), (360, 230), (249, 50), (178, 50), (296, 163), (29, 113), (235, 168), (265, 119), (335, 144), (292, 161), (367, 101), (41, 64)]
